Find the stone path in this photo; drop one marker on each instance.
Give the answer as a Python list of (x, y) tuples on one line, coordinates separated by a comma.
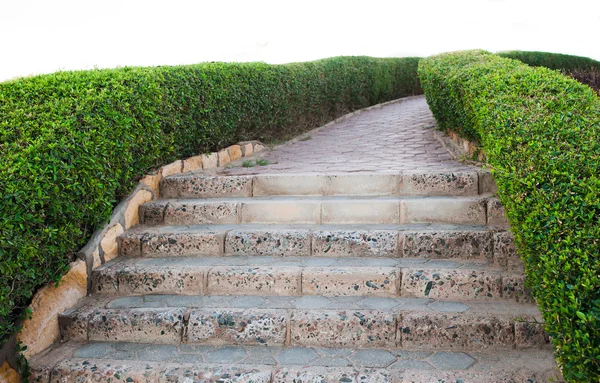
[(396, 137), (362, 253)]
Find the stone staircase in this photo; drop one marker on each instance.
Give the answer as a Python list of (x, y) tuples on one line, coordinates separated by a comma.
[(316, 277)]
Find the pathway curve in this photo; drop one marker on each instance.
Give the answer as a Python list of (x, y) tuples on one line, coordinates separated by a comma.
[(394, 138)]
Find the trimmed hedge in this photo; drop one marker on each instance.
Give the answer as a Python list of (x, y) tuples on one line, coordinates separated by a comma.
[(552, 60), (73, 143), (541, 134)]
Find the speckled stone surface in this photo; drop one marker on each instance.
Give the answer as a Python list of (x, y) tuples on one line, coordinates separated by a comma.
[(136, 279), (382, 281), (447, 244), (530, 334), (201, 186), (466, 211), (160, 326), (191, 212), (433, 331), (200, 243), (292, 242), (243, 280), (248, 327), (343, 328), (357, 243), (452, 284), (441, 184), (505, 254), (496, 215)]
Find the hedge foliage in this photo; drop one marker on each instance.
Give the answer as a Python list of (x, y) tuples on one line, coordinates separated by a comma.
[(541, 134), (552, 60), (73, 143)]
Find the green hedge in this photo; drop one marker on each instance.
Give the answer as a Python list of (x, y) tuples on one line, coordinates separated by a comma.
[(552, 60), (541, 134), (73, 143)]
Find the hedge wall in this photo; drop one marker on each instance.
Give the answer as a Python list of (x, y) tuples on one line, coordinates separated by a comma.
[(552, 60), (73, 143), (541, 133)]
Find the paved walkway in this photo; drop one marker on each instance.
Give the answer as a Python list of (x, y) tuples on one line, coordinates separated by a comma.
[(394, 138)]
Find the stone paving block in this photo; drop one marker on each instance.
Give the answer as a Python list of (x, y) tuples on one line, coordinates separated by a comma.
[(455, 331), (452, 360), (239, 327), (372, 358), (152, 213), (530, 334), (182, 243), (360, 211), (505, 254), (448, 284), (73, 325), (149, 280), (137, 325), (513, 287), (331, 362), (157, 352), (449, 210), (355, 243), (315, 375), (296, 355), (366, 184), (281, 211), (129, 245), (448, 307), (229, 354), (244, 280), (344, 328), (378, 303), (289, 184), (440, 184), (200, 186), (276, 242), (194, 212), (210, 160), (344, 281), (496, 215), (487, 183), (472, 244), (311, 302)]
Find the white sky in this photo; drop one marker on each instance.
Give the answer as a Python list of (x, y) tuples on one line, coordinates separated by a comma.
[(42, 36)]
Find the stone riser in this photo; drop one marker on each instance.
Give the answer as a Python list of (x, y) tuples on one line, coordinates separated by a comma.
[(495, 247), (306, 328), (353, 184), (323, 211), (438, 283)]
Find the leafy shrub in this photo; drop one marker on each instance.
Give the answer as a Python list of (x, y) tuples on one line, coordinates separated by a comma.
[(73, 143), (541, 134), (552, 60), (582, 69)]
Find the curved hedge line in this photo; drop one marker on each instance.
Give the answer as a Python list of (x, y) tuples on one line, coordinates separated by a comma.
[(73, 143), (541, 133), (552, 60)]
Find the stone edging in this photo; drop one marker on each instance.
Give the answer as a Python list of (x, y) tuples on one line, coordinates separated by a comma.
[(41, 330), (461, 148)]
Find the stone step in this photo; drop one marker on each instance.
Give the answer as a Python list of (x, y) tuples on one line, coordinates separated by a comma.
[(295, 276), (408, 241), (134, 362), (200, 185), (320, 210), (308, 321)]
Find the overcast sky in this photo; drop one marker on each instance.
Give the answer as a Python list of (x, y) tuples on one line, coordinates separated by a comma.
[(42, 36)]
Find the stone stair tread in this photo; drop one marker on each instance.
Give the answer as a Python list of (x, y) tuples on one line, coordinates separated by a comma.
[(292, 261), (142, 229), (309, 302), (131, 362), (164, 201)]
